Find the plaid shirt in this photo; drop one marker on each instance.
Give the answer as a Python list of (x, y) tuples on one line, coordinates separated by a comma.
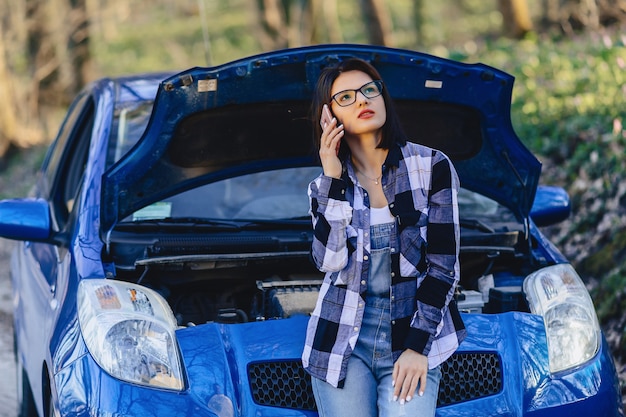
[(421, 187)]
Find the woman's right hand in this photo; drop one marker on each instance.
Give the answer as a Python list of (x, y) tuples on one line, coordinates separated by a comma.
[(329, 149)]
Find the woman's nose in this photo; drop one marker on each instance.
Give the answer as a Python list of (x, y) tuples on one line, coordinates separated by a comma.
[(360, 97)]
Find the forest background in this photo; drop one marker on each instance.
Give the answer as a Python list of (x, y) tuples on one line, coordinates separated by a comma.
[(569, 100)]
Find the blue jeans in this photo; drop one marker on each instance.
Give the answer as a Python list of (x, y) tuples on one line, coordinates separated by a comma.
[(367, 390)]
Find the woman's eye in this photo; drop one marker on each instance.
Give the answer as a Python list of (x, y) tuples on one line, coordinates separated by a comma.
[(345, 97)]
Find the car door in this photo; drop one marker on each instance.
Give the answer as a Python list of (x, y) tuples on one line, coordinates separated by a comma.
[(38, 267)]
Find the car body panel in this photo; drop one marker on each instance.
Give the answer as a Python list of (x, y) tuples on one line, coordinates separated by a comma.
[(25, 219), (217, 356), (47, 270), (551, 206)]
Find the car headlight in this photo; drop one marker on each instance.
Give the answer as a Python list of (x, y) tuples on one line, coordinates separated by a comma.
[(558, 294), (129, 330)]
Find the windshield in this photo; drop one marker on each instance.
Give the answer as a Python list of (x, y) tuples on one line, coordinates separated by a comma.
[(267, 195), (273, 195)]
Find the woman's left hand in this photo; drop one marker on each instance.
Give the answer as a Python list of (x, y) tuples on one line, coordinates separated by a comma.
[(409, 371)]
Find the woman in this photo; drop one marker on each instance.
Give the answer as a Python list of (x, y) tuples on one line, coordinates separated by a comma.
[(386, 233)]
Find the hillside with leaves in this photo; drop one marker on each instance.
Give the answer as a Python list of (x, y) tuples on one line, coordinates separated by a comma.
[(569, 107)]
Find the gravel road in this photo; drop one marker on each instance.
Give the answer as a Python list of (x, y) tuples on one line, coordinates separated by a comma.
[(7, 363)]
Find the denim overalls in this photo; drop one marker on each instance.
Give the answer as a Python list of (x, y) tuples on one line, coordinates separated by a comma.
[(368, 389)]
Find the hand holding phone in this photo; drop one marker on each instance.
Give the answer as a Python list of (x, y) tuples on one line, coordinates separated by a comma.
[(329, 145), (327, 116)]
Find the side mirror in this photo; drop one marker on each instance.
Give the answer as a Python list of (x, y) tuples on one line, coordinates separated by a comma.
[(551, 206), (25, 219)]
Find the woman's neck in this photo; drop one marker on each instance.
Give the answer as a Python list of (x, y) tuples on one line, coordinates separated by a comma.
[(366, 157), (368, 161)]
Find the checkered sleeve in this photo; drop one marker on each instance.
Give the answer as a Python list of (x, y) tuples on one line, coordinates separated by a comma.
[(436, 290), (331, 214)]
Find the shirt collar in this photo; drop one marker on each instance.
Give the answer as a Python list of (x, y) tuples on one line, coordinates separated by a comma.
[(393, 156)]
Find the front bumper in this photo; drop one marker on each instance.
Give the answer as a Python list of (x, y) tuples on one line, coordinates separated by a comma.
[(253, 370)]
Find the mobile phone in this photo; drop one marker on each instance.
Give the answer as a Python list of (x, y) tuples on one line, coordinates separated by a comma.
[(326, 116)]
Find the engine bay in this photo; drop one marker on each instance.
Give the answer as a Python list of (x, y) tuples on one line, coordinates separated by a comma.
[(261, 276)]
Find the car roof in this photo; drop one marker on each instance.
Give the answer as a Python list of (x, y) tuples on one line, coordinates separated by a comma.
[(252, 114)]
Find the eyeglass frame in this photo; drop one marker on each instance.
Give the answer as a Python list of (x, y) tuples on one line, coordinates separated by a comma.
[(378, 83)]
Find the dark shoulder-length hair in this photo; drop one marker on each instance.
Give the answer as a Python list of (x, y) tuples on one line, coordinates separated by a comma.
[(392, 131)]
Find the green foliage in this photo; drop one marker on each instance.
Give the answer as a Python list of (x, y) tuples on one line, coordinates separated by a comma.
[(20, 172), (569, 107), (171, 37), (566, 90)]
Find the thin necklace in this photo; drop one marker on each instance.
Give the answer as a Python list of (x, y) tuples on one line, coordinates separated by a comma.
[(375, 180)]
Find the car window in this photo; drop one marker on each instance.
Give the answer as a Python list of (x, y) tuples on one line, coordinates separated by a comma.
[(56, 152), (129, 122), (267, 195), (473, 205), (65, 162)]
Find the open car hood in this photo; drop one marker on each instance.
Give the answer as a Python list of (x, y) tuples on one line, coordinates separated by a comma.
[(252, 114)]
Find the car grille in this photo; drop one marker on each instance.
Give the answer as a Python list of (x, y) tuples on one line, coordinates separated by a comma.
[(281, 384), (465, 376)]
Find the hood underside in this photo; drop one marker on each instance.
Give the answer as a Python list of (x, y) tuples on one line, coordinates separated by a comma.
[(252, 114)]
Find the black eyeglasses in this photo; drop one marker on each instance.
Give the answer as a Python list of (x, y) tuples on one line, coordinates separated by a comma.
[(347, 97)]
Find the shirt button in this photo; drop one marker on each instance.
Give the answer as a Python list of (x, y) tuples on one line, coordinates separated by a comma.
[(343, 191), (360, 304), (393, 322), (393, 274), (363, 282), (366, 234), (393, 297), (392, 250), (391, 205), (356, 329), (365, 258)]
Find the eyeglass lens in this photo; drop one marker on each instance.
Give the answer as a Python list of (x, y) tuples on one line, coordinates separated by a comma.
[(369, 90)]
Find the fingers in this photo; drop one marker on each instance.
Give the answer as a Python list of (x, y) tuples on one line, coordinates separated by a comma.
[(422, 381), (329, 149), (331, 135), (406, 387), (409, 373)]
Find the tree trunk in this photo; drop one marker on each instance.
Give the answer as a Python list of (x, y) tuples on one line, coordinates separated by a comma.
[(325, 22), (515, 17), (418, 22), (7, 107), (377, 22), (285, 23), (331, 21), (271, 23), (58, 42), (79, 41), (570, 16), (44, 61)]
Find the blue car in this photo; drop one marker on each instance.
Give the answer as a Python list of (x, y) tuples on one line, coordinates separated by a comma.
[(163, 261)]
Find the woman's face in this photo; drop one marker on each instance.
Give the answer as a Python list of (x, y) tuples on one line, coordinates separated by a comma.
[(365, 115)]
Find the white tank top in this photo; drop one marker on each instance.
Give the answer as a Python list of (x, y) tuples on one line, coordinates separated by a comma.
[(381, 215)]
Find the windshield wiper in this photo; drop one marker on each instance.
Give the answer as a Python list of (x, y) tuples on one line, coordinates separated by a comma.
[(476, 225), (296, 222), (182, 222)]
